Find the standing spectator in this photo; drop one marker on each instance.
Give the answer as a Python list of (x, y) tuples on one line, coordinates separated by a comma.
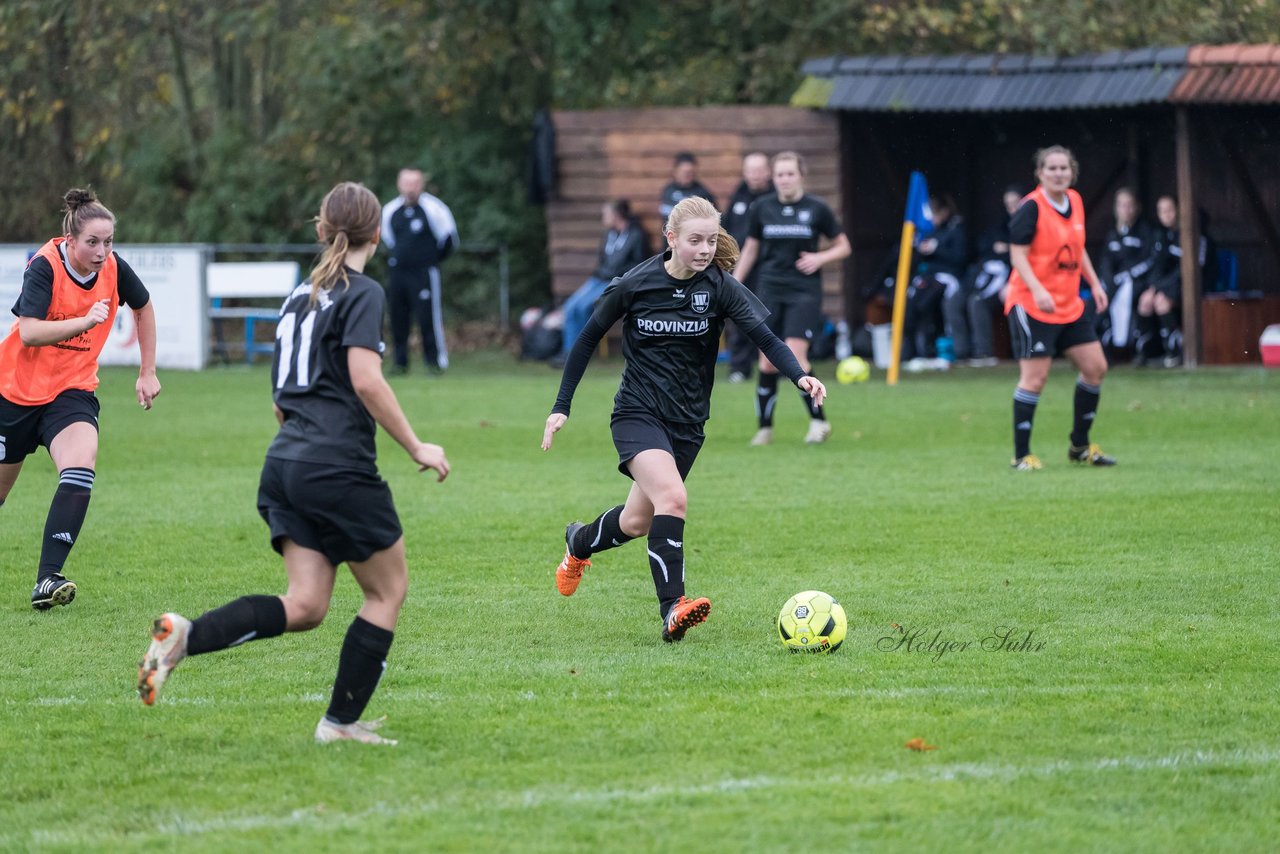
[(624, 246), (684, 183), (1124, 267), (71, 291), (783, 236), (757, 181), (1160, 302), (989, 282), (419, 232), (1046, 313), (320, 492)]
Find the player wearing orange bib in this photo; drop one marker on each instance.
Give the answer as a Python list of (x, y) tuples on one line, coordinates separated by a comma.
[(1046, 313), (49, 371)]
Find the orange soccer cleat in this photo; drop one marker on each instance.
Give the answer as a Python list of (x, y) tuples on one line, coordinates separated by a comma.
[(569, 572), (684, 615)]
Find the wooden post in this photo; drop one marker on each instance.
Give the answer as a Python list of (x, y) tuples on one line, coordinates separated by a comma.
[(1189, 239)]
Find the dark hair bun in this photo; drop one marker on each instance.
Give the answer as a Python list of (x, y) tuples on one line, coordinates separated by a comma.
[(78, 198)]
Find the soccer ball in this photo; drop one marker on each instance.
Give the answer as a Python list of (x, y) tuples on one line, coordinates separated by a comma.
[(853, 370), (812, 622)]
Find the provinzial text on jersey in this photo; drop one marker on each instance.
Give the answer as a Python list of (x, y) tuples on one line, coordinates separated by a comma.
[(787, 230), (647, 326)]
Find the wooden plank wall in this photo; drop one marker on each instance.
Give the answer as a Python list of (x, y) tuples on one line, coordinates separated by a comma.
[(607, 154)]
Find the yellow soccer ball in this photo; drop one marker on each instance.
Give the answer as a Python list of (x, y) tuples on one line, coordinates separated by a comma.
[(812, 622), (853, 370)]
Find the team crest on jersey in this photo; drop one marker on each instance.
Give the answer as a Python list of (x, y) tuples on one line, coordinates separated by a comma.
[(803, 216), (701, 301)]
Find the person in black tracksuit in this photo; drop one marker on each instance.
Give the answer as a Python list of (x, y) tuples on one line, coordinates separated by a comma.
[(757, 181), (673, 308), (1159, 309), (1125, 266), (320, 493), (783, 236), (683, 184), (939, 264), (988, 281), (420, 233)]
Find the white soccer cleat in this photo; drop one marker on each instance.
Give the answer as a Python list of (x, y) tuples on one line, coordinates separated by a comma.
[(169, 635), (819, 432), (763, 436), (362, 731)]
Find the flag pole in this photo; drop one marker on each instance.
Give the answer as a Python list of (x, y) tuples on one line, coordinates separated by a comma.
[(900, 298)]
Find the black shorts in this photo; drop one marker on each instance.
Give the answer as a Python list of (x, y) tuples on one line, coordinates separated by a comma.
[(794, 315), (1171, 288), (345, 514), (634, 432), (25, 428), (1034, 339)]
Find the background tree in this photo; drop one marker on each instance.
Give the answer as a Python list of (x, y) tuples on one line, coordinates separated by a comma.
[(225, 122)]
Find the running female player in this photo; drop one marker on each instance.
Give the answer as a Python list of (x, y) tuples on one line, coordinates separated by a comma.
[(320, 493), (782, 234), (1046, 314), (49, 371), (673, 306)]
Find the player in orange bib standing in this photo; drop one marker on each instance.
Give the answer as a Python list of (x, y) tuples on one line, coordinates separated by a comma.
[(1046, 313), (49, 371)]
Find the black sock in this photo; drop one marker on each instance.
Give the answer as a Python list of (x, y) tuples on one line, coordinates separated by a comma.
[(602, 534), (1146, 326), (66, 515), (766, 397), (360, 666), (1024, 412), (1086, 408), (246, 619), (666, 559), (1168, 326), (812, 408)]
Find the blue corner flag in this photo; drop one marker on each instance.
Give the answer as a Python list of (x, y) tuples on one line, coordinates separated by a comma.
[(918, 211)]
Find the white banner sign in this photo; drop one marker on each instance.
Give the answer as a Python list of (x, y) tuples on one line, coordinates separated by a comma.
[(174, 276)]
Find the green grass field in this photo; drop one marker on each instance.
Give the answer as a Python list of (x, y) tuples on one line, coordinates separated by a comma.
[(528, 721)]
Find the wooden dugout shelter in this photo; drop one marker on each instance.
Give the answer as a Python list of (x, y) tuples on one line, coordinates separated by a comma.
[(1201, 123), (608, 154)]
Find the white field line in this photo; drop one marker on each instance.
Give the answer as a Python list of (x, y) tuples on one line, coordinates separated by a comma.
[(321, 817)]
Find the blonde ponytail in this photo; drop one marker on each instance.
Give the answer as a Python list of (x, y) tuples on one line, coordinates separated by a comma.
[(349, 219), (727, 251)]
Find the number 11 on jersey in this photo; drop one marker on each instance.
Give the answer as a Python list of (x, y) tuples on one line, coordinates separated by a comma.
[(285, 336)]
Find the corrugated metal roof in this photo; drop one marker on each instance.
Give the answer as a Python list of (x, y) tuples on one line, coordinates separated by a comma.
[(1230, 74), (1202, 74)]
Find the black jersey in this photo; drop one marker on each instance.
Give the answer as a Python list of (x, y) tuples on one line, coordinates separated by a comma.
[(784, 230), (1129, 255), (670, 338), (325, 421), (37, 285), (1022, 225), (673, 193)]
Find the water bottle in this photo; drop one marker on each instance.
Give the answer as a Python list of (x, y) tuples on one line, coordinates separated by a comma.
[(844, 347), (946, 349)]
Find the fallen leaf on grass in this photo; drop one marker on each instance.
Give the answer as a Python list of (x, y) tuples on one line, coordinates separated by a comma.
[(918, 744)]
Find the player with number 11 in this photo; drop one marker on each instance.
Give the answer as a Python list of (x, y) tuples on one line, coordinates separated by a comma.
[(320, 493)]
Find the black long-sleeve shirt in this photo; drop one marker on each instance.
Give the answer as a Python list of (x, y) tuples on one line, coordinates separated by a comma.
[(670, 339), (620, 251), (1129, 253)]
